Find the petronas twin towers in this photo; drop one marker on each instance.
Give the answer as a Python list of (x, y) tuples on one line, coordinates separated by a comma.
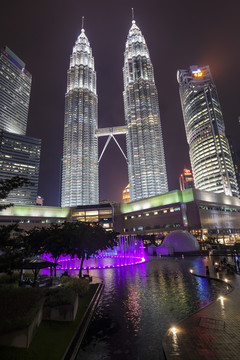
[(145, 152)]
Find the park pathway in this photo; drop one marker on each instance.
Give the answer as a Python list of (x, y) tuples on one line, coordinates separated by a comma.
[(213, 333)]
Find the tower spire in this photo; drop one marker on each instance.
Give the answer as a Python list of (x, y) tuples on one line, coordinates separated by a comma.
[(80, 148), (146, 158), (132, 14)]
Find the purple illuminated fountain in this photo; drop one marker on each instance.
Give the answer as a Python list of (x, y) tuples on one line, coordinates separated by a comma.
[(129, 251)]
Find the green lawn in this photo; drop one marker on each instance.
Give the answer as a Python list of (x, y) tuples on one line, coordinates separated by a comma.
[(52, 337)]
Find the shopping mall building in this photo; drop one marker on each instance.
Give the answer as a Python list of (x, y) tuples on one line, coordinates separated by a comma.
[(204, 214)]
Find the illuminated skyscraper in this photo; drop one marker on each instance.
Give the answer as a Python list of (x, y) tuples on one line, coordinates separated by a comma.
[(80, 149), (126, 195), (209, 150), (15, 88), (19, 154), (146, 159), (186, 180)]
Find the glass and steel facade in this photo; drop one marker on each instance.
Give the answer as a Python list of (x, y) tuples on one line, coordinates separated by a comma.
[(80, 149), (146, 159), (101, 214), (210, 155), (20, 155), (15, 88)]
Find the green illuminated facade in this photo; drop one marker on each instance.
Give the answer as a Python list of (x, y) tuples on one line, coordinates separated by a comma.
[(204, 214)]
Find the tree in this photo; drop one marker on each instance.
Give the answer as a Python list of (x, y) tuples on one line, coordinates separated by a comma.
[(86, 240), (13, 247), (7, 185), (52, 240), (74, 239)]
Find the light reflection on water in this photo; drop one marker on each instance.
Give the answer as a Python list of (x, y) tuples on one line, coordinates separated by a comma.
[(140, 303)]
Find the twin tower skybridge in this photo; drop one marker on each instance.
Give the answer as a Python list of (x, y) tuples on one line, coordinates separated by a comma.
[(111, 132)]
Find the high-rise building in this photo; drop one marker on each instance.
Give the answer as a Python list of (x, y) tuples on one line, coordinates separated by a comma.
[(126, 195), (15, 88), (236, 159), (146, 159), (80, 149), (186, 180), (209, 150), (20, 155)]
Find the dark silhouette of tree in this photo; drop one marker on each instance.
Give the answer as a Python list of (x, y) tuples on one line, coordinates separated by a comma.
[(87, 240), (52, 240), (74, 239), (14, 248)]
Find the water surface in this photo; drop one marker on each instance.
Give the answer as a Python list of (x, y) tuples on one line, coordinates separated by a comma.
[(140, 303)]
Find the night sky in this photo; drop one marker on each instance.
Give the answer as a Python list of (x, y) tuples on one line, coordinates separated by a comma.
[(178, 34)]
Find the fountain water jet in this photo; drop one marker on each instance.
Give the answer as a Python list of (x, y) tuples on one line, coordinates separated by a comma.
[(129, 251)]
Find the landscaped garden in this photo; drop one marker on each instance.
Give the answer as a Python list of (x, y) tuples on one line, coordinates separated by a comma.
[(39, 316), (19, 307)]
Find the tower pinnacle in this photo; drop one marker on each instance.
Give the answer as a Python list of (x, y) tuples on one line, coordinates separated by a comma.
[(146, 159)]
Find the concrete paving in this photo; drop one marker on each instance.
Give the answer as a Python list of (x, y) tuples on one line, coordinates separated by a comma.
[(212, 332)]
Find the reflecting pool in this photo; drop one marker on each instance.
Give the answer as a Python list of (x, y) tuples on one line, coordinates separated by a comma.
[(141, 302)]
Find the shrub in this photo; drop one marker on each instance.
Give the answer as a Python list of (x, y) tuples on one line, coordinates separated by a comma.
[(59, 296), (9, 279), (80, 286), (18, 306)]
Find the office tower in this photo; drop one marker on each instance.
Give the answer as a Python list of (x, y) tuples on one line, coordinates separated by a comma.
[(20, 155), (80, 149), (39, 200), (186, 180), (235, 158), (15, 88), (126, 195), (209, 150), (146, 159)]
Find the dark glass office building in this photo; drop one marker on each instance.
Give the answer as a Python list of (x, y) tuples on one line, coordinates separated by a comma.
[(20, 155)]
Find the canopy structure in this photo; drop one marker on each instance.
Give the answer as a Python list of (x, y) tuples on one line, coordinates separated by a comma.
[(36, 265)]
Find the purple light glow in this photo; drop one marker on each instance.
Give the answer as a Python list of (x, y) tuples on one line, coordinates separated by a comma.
[(129, 251)]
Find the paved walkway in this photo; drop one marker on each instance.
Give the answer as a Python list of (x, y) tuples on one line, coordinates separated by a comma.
[(211, 333)]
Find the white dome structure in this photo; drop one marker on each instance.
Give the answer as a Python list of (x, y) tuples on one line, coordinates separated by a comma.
[(181, 241)]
